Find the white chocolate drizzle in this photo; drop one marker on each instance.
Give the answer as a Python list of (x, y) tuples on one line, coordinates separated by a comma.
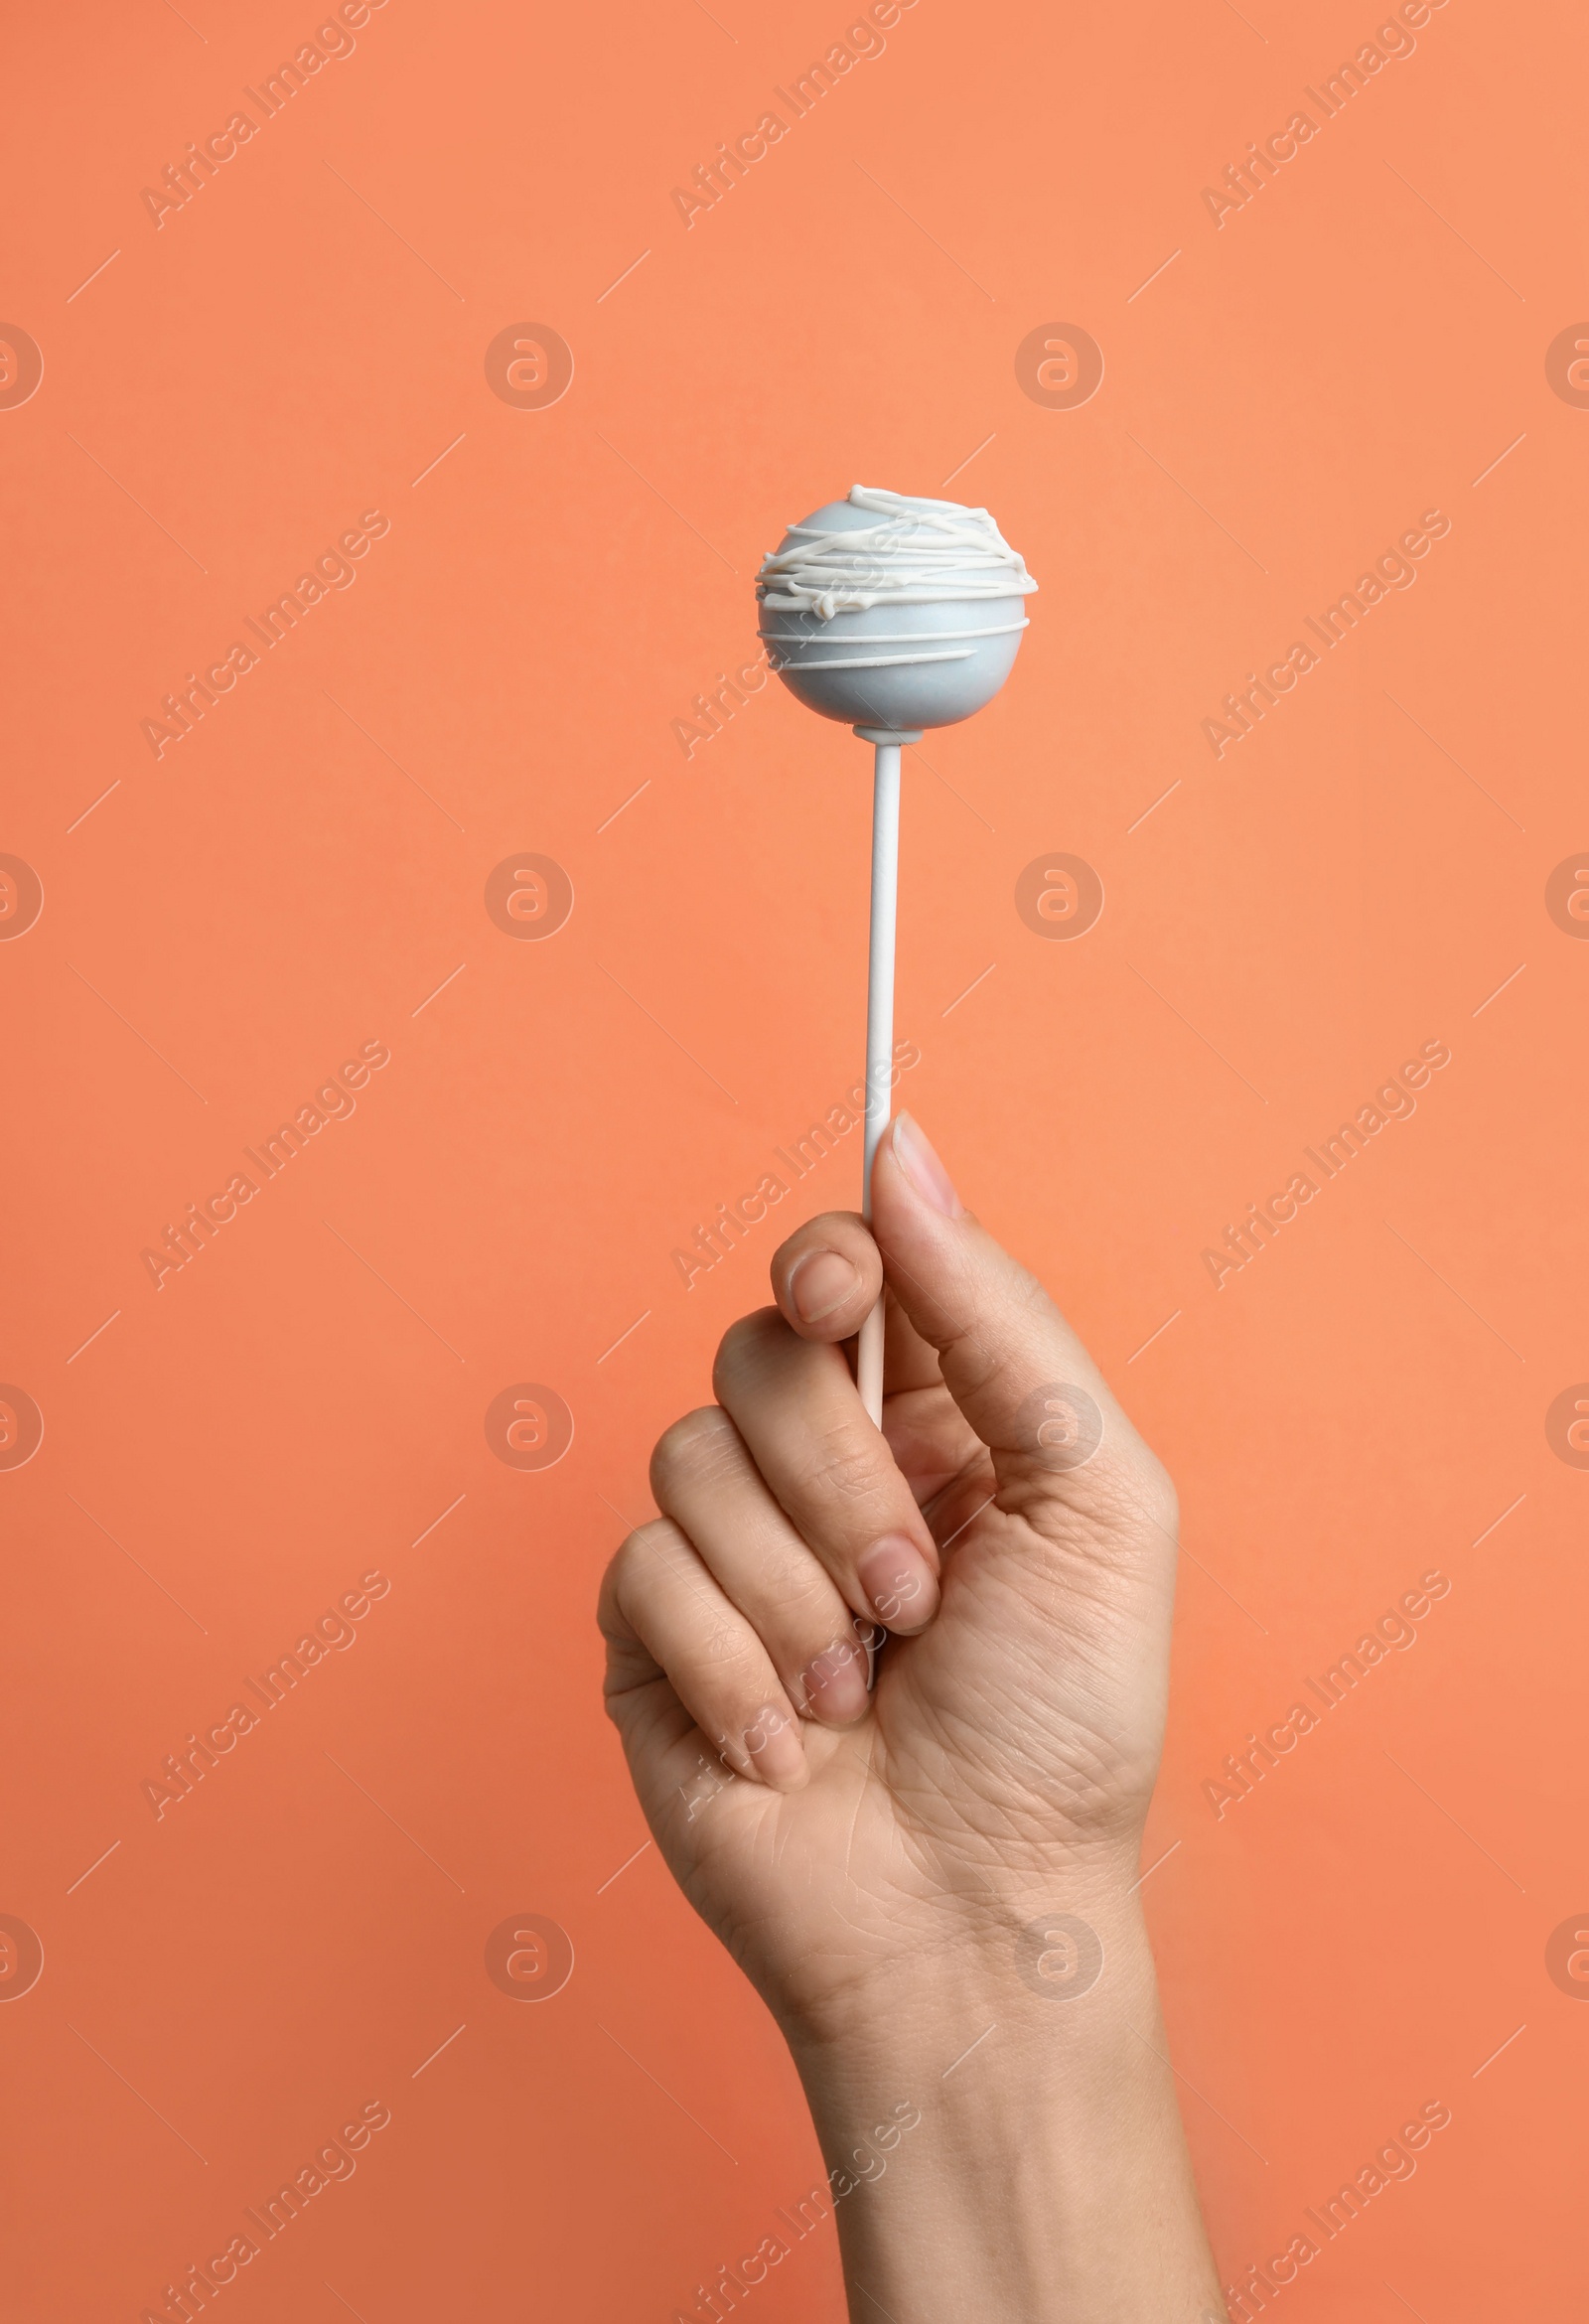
[(921, 552)]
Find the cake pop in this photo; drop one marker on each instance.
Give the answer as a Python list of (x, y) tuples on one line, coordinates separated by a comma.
[(893, 615)]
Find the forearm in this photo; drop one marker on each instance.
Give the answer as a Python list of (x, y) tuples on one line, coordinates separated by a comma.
[(1005, 2146)]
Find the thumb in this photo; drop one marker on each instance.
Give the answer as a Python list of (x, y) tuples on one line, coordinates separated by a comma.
[(1010, 1361)]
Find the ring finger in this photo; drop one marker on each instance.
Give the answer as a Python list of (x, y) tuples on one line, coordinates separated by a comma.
[(703, 1477)]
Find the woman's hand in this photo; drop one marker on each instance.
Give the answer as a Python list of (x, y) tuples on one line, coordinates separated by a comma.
[(1011, 1531), (894, 1868)]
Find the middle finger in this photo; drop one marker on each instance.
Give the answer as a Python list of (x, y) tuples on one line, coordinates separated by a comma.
[(705, 1480), (800, 1412)]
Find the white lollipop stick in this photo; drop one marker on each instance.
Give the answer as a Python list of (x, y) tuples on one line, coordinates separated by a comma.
[(880, 1017)]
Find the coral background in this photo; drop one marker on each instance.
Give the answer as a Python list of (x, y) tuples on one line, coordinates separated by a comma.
[(1285, 392)]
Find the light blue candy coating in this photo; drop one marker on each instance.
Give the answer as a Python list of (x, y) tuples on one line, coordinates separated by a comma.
[(888, 691)]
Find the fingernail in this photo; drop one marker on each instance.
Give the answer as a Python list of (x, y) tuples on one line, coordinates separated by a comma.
[(774, 1750), (901, 1587), (834, 1682), (922, 1168), (820, 1282)]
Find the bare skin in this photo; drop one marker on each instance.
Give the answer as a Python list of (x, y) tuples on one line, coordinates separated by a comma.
[(949, 1859)]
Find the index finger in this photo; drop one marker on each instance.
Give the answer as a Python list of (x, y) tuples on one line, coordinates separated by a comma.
[(826, 1279), (827, 1275)]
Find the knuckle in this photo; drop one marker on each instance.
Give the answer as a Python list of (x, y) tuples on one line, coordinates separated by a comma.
[(745, 1343), (636, 1559), (800, 1610), (851, 1475), (727, 1648), (692, 1446), (803, 1600), (845, 1469)]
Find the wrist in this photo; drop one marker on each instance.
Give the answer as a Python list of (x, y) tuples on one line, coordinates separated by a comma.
[(997, 2120), (1042, 1990), (957, 1958)]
